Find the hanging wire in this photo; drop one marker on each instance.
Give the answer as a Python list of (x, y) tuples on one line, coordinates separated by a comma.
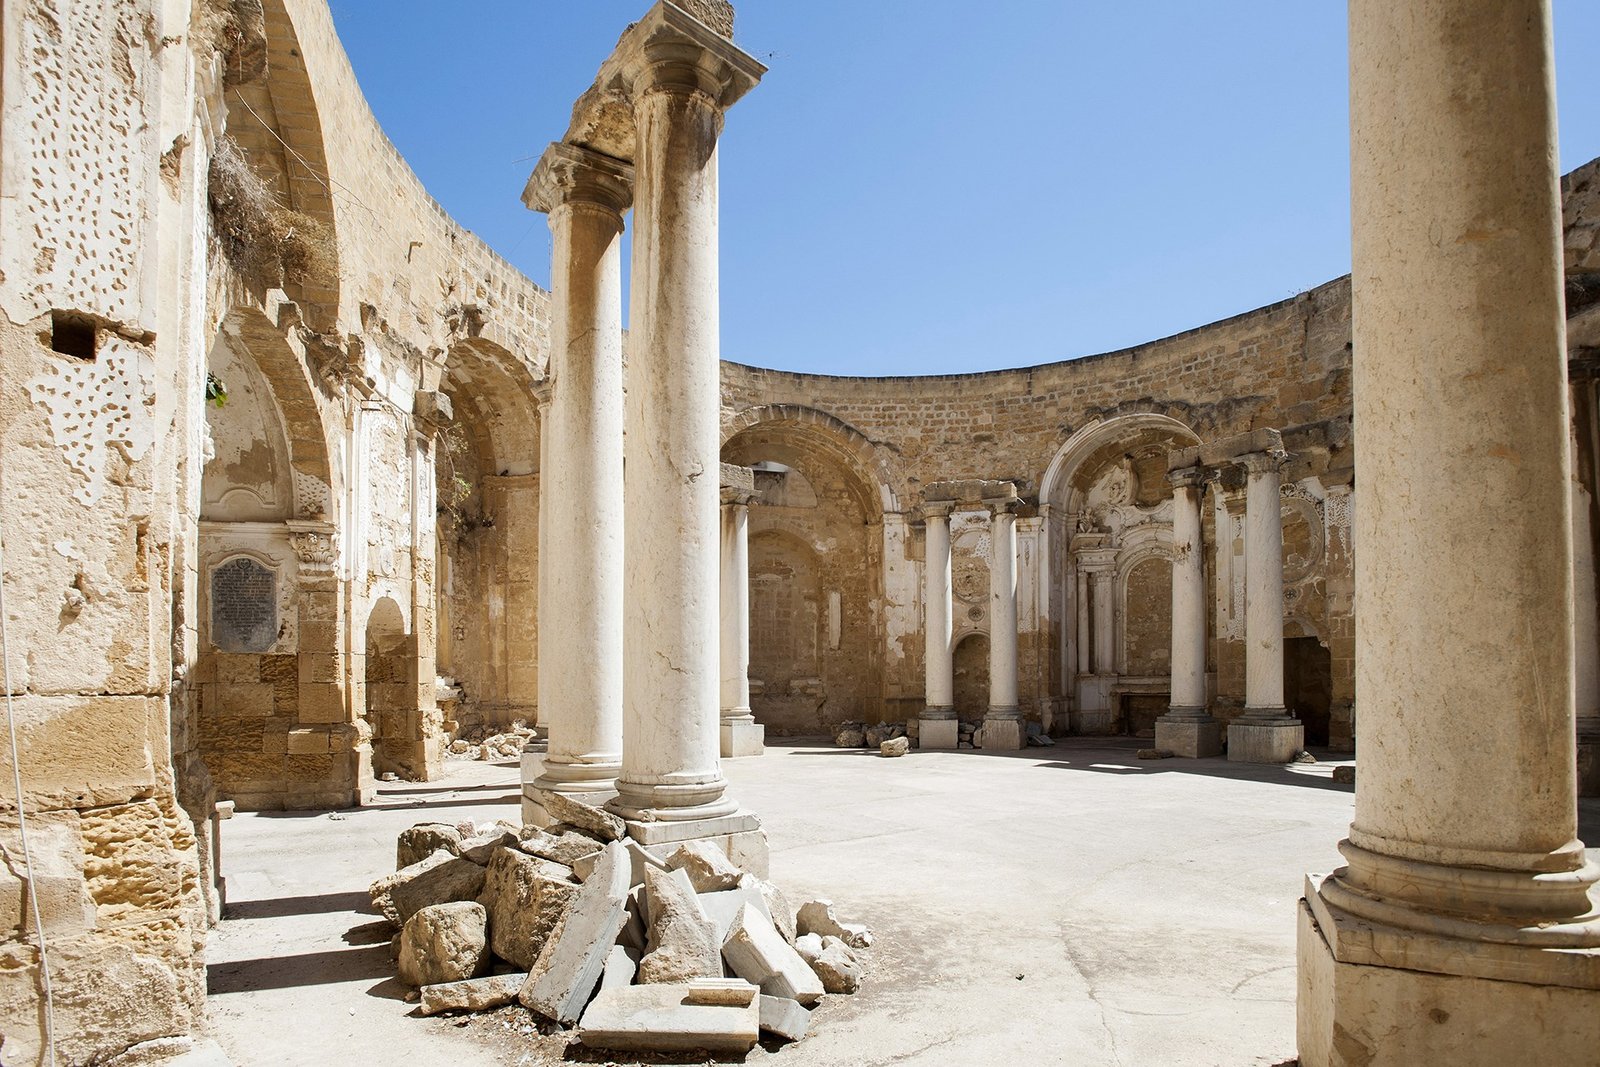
[(22, 822)]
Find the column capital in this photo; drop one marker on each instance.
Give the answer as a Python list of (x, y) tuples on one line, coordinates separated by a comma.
[(669, 49), (1262, 462), (572, 174), (544, 391), (1188, 477), (937, 509)]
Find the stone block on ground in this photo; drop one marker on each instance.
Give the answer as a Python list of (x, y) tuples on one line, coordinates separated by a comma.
[(455, 879), (787, 1019), (683, 942), (526, 898), (724, 907), (587, 817), (837, 967), (418, 842), (672, 1018), (895, 746), (475, 994), (849, 735), (479, 848), (381, 891), (778, 908), (444, 943), (1041, 740), (707, 866), (1153, 753), (559, 845), (622, 963), (1345, 775), (574, 955), (875, 735), (816, 917), (756, 952)]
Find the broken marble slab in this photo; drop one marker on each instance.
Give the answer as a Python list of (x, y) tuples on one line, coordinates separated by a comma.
[(715, 1016), (756, 952), (574, 955), (787, 1019)]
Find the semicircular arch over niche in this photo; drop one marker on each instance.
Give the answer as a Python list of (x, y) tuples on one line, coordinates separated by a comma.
[(831, 521), (487, 487)]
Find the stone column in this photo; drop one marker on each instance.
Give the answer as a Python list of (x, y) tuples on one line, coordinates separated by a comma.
[(1266, 732), (1002, 726), (741, 735), (680, 77), (1465, 927), (938, 727), (580, 477), (1187, 729), (1081, 636), (1585, 623), (533, 760), (1105, 605)]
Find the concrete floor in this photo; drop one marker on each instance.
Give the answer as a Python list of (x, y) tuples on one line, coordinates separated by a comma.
[(1071, 905)]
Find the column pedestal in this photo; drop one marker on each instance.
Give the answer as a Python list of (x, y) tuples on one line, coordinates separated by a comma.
[(1195, 736), (937, 728)]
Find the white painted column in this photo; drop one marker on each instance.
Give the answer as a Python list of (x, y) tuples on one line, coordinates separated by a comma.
[(1002, 726), (681, 80), (741, 735), (1266, 732), (580, 475), (937, 726), (1465, 928), (1187, 729)]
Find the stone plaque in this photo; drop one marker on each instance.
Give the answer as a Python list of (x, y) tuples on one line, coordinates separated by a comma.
[(244, 606)]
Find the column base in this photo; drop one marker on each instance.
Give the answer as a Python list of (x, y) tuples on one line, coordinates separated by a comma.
[(1002, 731), (739, 835), (687, 800), (1192, 737), (1265, 740), (741, 736), (937, 728), (1354, 1009), (1589, 765)]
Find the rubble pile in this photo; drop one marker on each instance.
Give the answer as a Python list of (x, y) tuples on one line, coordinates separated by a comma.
[(896, 739), (587, 928), (477, 743)]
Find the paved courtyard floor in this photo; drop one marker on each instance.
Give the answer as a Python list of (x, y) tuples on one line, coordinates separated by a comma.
[(1066, 905)]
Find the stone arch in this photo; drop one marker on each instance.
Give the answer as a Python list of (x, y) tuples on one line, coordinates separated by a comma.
[(275, 119), (392, 714), (282, 364), (841, 522), (486, 467), (1056, 487), (827, 434), (1151, 544), (970, 660)]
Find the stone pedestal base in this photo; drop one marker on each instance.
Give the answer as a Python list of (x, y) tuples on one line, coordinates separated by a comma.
[(743, 737), (1265, 740), (939, 732), (739, 835), (1190, 738), (1390, 1016), (1589, 766), (1003, 735)]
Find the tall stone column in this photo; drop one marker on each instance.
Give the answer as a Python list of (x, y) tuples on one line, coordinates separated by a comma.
[(680, 77), (1585, 623), (938, 728), (741, 735), (580, 477), (1465, 927), (1187, 729), (1266, 732), (1002, 726)]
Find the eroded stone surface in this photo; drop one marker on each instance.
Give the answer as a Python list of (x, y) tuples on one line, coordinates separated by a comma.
[(707, 866), (526, 898), (475, 994), (574, 955), (683, 942), (444, 943)]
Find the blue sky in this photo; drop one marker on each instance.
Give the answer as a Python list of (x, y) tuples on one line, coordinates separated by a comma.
[(933, 187)]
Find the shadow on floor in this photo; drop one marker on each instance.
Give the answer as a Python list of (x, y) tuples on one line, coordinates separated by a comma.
[(278, 907), (306, 969)]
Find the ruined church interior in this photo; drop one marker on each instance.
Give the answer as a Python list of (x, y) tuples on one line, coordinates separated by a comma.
[(406, 660)]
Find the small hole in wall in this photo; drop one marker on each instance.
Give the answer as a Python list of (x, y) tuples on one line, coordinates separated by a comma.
[(72, 334)]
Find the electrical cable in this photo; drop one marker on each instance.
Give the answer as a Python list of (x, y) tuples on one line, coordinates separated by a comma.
[(22, 822)]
